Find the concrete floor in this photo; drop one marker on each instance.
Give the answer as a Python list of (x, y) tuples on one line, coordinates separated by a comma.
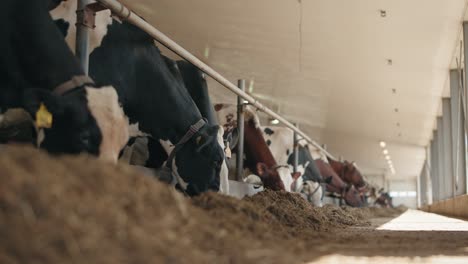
[(413, 237)]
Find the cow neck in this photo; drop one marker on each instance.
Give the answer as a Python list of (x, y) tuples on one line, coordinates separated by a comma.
[(196, 86), (187, 136), (150, 92), (41, 53), (327, 170), (256, 149), (183, 127)]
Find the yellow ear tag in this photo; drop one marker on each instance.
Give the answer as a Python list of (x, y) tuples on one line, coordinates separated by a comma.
[(43, 117)]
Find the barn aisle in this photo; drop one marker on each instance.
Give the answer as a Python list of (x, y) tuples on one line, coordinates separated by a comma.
[(412, 237)]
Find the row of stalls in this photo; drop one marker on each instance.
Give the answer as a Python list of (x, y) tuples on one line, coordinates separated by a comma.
[(86, 21)]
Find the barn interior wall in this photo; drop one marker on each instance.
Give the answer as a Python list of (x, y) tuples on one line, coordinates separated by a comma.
[(404, 188)]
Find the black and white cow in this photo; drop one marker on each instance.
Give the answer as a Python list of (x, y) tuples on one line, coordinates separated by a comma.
[(40, 74), (155, 100), (281, 141), (147, 152)]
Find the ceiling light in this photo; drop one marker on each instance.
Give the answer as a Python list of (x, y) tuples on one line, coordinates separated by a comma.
[(251, 86), (385, 152), (389, 162), (274, 121), (389, 62), (382, 144), (383, 13), (396, 110), (206, 53), (387, 157)]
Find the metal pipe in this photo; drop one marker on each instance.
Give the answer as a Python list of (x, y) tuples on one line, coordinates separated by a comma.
[(82, 36), (240, 129), (126, 14), (296, 150)]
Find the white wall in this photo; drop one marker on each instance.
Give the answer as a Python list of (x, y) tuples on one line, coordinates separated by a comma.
[(404, 192)]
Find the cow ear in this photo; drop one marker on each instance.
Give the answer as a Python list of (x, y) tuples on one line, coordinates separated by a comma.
[(261, 169), (41, 102)]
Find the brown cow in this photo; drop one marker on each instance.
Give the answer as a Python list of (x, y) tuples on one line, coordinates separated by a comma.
[(259, 158), (336, 185), (348, 173)]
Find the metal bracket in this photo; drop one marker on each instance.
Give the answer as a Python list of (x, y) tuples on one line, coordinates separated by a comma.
[(87, 16)]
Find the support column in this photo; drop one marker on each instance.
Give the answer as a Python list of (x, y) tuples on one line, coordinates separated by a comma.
[(440, 159), (464, 96), (434, 167), (419, 198), (240, 127), (458, 140), (428, 175), (447, 157)]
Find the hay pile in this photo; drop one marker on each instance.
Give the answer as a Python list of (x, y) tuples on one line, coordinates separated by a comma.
[(78, 210), (286, 213)]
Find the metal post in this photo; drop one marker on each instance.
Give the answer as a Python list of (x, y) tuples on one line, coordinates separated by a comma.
[(82, 35), (240, 127), (296, 150)]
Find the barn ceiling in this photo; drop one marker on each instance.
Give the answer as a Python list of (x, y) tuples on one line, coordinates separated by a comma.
[(348, 73)]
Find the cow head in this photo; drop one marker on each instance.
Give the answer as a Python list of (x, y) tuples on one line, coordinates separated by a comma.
[(353, 174), (199, 162), (270, 177), (352, 197), (83, 120)]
